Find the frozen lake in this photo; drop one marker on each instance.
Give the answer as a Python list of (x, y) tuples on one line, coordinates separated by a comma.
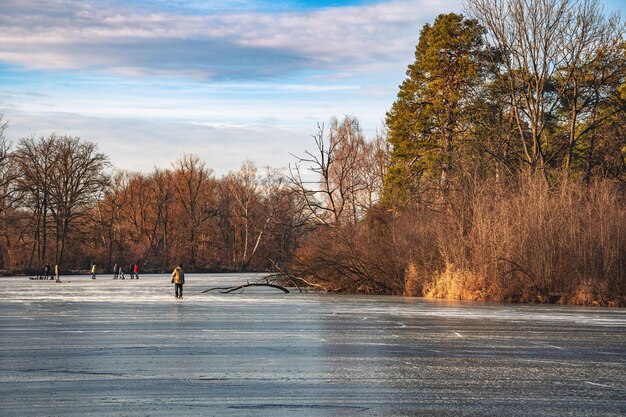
[(130, 348)]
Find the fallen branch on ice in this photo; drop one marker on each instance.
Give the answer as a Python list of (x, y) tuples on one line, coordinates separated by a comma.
[(284, 275), (227, 290)]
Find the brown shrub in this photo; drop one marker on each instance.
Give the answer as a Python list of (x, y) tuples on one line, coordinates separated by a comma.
[(488, 241), (456, 284), (413, 283), (353, 258), (533, 244), (590, 292)]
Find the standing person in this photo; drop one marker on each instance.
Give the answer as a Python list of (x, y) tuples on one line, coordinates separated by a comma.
[(121, 272), (131, 271), (178, 279), (93, 270), (46, 272), (115, 271), (136, 271)]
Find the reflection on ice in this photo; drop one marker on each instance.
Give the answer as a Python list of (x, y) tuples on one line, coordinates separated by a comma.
[(112, 347), (158, 289)]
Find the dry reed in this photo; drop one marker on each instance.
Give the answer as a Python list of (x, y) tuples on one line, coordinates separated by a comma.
[(526, 243)]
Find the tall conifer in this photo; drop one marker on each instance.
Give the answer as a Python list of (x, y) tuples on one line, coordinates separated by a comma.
[(430, 117)]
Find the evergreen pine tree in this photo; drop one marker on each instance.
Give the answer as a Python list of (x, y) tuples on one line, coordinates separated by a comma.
[(432, 113)]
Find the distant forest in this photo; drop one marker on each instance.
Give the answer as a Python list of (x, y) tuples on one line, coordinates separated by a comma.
[(500, 175)]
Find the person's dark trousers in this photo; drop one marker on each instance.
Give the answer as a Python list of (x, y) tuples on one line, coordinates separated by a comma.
[(178, 288)]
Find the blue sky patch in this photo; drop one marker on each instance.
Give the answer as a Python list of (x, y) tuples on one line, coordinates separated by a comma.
[(227, 80)]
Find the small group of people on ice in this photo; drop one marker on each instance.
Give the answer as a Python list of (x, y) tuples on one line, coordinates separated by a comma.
[(178, 275), (118, 271), (47, 272)]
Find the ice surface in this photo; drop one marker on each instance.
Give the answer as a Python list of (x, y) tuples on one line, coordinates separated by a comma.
[(113, 347)]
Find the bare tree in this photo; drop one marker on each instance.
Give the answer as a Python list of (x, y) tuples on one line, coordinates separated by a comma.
[(8, 171), (163, 192), (193, 182), (139, 213), (8, 196), (75, 183), (257, 201), (591, 95), (35, 160), (242, 186), (317, 194), (538, 41), (349, 173), (109, 213), (343, 163), (348, 167)]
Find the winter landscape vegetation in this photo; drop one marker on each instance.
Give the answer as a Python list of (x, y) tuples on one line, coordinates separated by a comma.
[(438, 188), (498, 175)]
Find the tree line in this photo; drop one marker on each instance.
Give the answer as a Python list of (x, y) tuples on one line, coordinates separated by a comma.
[(62, 203), (499, 175), (502, 176)]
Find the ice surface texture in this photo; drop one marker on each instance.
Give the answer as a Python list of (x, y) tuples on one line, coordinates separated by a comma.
[(130, 348)]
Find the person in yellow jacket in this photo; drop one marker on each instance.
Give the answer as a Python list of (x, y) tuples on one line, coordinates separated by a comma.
[(93, 271), (178, 279)]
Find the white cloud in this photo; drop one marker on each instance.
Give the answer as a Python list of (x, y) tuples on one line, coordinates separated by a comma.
[(140, 145), (75, 35), (150, 86)]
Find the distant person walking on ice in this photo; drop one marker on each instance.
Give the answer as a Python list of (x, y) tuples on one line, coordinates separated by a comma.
[(131, 271), (47, 272), (93, 271), (178, 279), (115, 271), (136, 271)]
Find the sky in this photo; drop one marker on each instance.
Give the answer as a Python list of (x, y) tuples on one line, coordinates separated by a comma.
[(227, 80)]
